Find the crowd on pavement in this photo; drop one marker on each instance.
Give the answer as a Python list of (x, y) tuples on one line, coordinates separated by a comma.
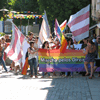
[(89, 46)]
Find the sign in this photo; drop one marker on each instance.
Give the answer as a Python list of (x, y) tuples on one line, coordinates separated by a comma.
[(54, 60)]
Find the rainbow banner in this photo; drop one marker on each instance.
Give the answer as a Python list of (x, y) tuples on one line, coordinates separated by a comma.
[(54, 60)]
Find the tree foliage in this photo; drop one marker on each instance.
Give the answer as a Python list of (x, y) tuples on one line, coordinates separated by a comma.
[(3, 4), (61, 9)]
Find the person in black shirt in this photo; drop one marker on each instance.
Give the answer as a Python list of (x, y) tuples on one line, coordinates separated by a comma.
[(97, 57)]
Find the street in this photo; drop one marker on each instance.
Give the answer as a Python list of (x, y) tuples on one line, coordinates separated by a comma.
[(17, 87)]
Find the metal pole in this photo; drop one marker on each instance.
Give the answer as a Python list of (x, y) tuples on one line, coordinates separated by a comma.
[(28, 24)]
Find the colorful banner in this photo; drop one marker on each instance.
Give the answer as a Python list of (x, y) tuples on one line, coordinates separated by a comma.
[(54, 60), (24, 16)]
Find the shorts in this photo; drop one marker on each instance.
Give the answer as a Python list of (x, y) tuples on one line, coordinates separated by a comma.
[(97, 62)]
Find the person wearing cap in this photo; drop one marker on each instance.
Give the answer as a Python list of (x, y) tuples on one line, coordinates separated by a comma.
[(97, 43)]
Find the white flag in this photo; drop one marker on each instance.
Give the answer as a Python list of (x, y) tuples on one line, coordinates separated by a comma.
[(44, 33), (79, 24)]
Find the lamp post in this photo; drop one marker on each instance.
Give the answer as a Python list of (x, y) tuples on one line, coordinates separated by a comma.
[(4, 10)]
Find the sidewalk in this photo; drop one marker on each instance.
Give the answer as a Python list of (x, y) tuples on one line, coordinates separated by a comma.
[(19, 87)]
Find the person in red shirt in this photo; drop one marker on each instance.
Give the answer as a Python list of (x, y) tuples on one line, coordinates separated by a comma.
[(57, 44)]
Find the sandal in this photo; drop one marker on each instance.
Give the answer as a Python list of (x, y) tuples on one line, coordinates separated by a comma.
[(87, 74), (90, 77), (99, 75)]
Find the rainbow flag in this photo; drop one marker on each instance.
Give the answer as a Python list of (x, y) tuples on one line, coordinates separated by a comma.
[(58, 30), (26, 66), (60, 35), (54, 60), (63, 26)]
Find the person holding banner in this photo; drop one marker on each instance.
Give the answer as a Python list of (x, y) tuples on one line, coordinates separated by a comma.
[(90, 57), (70, 46), (32, 59), (45, 46), (97, 64)]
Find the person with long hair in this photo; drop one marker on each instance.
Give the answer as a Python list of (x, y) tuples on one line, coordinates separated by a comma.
[(32, 59), (45, 46), (70, 46), (90, 57)]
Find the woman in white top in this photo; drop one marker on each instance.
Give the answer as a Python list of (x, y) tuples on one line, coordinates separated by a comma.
[(45, 46), (70, 46), (32, 59)]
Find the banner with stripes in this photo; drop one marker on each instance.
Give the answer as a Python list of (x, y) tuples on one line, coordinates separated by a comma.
[(44, 33), (15, 50), (79, 24)]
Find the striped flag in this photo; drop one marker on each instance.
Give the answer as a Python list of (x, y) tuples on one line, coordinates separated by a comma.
[(63, 26), (44, 33), (79, 24), (58, 30), (15, 50)]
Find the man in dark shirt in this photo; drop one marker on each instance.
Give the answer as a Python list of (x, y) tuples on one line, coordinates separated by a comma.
[(97, 58)]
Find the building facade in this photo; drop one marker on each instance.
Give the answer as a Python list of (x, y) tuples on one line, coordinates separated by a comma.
[(95, 14)]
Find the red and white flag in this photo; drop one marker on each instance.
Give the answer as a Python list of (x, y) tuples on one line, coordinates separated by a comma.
[(15, 50), (79, 24), (44, 33)]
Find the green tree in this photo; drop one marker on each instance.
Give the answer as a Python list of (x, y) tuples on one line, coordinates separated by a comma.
[(61, 9), (3, 4), (24, 5)]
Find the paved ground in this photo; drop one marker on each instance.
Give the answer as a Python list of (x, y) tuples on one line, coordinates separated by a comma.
[(19, 87)]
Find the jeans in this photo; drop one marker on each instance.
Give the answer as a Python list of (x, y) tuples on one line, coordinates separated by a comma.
[(66, 73), (3, 63), (47, 72), (32, 63), (36, 60)]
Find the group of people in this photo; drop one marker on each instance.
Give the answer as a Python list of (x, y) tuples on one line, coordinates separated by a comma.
[(89, 46), (4, 42)]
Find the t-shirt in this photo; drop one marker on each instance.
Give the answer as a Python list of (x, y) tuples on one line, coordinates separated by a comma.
[(77, 46), (70, 46), (30, 56), (98, 51)]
